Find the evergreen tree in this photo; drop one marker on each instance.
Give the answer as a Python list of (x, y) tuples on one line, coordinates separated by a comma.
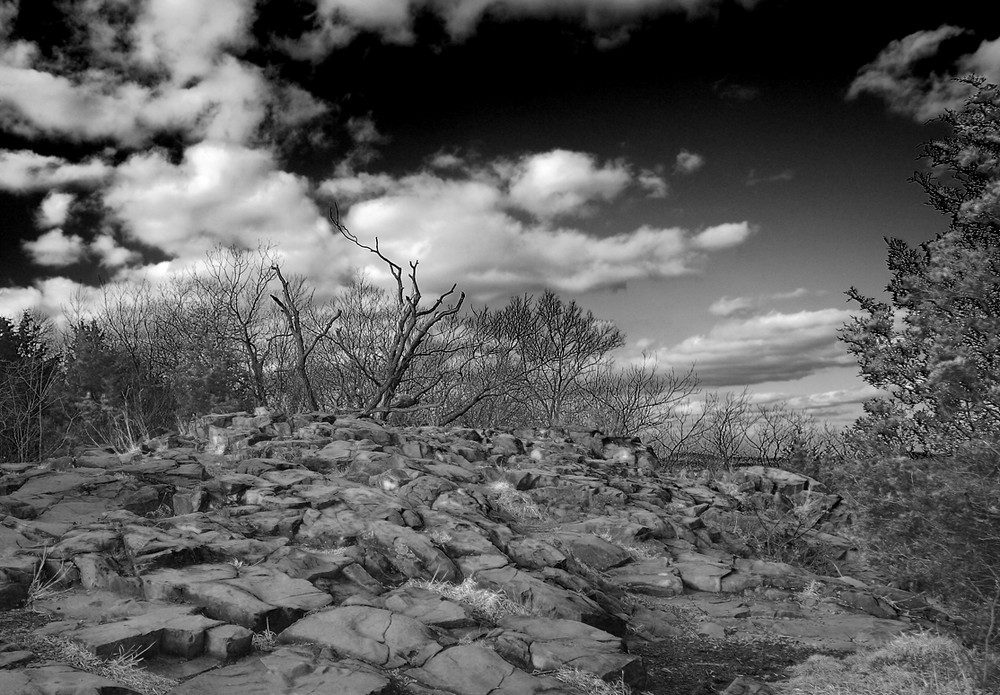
[(935, 347)]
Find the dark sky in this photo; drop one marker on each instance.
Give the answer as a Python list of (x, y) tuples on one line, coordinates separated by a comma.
[(710, 174)]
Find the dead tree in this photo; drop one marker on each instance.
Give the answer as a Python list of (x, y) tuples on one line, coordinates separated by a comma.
[(412, 327), (292, 311)]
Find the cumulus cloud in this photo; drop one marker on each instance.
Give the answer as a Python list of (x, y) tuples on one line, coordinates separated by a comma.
[(338, 22), (654, 183), (688, 162), (896, 75), (723, 236), (24, 170), (187, 36), (446, 160), (54, 209), (732, 306), (48, 296), (770, 347), (174, 69), (110, 254), (747, 306), (561, 182), (490, 228), (54, 248), (220, 193)]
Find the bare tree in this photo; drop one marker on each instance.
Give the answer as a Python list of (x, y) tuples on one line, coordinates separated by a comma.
[(293, 302), (728, 417), (561, 345), (486, 381), (29, 372), (682, 433), (235, 282), (412, 332), (779, 433), (638, 399)]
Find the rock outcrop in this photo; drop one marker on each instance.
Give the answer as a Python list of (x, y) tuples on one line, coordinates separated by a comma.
[(342, 548)]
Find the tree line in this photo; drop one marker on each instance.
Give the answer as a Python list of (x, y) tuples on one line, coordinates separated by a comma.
[(239, 333)]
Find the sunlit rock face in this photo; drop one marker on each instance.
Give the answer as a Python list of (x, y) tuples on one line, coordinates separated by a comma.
[(327, 553)]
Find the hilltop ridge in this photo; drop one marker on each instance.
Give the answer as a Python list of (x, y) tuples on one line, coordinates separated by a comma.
[(264, 553)]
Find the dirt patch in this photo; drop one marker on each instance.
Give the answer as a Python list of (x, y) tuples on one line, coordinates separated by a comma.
[(688, 665)]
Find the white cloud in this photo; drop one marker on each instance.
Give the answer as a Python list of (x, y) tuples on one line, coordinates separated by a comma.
[(464, 228), (748, 306), (836, 399), (110, 254), (895, 74), (54, 209), (446, 160), (723, 236), (222, 193), (49, 296), (654, 183), (187, 36), (561, 182), (55, 248), (688, 162), (770, 347), (338, 22), (24, 170), (731, 306), (178, 74)]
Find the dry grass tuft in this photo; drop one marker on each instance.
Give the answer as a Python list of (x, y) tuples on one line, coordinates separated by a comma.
[(513, 501), (124, 669), (589, 684), (493, 605), (637, 552), (921, 664), (41, 588), (264, 641)]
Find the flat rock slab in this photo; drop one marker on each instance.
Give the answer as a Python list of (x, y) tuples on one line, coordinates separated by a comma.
[(548, 629), (176, 630), (413, 553), (656, 577), (288, 671), (427, 606), (589, 549), (558, 644), (257, 598), (542, 598), (472, 670), (58, 679), (840, 633), (374, 635)]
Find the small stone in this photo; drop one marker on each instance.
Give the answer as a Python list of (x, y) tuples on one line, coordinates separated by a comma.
[(228, 641)]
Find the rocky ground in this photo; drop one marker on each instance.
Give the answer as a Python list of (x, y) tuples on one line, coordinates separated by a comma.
[(323, 553)]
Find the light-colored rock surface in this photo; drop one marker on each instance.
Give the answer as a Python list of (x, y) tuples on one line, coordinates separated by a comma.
[(315, 527)]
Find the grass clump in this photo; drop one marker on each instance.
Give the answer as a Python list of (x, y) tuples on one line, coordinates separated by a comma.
[(123, 669), (42, 588), (590, 684), (638, 552), (921, 664), (264, 641), (514, 502), (491, 604)]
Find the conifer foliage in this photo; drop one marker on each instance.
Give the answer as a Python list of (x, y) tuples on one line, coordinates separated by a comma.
[(935, 346)]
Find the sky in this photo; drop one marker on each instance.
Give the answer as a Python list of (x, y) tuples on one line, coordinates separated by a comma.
[(711, 175)]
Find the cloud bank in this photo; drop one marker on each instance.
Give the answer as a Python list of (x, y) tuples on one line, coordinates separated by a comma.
[(770, 347), (501, 227), (898, 78), (338, 22)]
